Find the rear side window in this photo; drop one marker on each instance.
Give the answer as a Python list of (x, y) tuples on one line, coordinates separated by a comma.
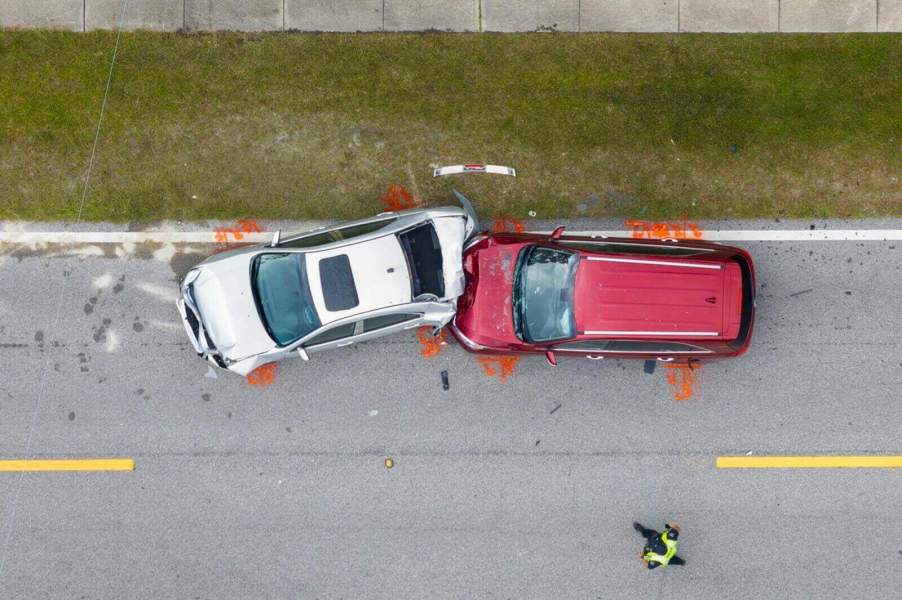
[(627, 248), (374, 323), (309, 241), (332, 335), (339, 291), (352, 231), (424, 257)]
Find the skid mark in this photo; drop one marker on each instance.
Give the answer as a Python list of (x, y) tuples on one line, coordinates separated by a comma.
[(652, 230), (682, 379), (230, 235), (502, 366), (262, 376), (505, 224), (397, 197), (431, 345)]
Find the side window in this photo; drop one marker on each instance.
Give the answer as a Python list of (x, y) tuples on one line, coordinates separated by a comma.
[(331, 335), (627, 248), (319, 238), (586, 346), (374, 323), (309, 240), (352, 231)]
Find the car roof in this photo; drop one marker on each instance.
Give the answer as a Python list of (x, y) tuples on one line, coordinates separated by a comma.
[(379, 271)]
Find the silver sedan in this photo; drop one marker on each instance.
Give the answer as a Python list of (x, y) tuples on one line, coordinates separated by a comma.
[(327, 288)]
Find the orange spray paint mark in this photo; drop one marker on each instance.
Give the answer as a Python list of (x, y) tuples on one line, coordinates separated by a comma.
[(682, 379), (431, 344), (398, 198), (508, 224), (225, 235), (262, 376), (502, 366), (656, 230)]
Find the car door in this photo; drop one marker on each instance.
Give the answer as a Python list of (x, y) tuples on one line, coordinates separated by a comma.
[(388, 324), (663, 351), (336, 336), (591, 349)]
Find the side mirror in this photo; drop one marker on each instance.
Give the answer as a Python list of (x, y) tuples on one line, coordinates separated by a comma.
[(557, 233), (276, 238), (549, 356), (303, 353)]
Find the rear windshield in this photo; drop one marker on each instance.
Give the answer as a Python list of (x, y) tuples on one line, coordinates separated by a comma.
[(543, 294), (283, 296), (424, 257)]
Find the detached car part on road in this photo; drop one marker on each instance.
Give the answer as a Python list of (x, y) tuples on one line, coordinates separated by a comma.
[(596, 297), (327, 288)]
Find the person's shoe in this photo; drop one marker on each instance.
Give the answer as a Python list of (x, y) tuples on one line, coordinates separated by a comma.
[(637, 526)]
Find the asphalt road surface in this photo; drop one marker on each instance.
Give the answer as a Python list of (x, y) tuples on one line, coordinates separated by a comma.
[(524, 488)]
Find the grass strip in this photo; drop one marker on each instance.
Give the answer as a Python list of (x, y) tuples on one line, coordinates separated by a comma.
[(317, 126)]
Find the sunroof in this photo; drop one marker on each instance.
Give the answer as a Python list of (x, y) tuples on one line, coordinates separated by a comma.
[(337, 280)]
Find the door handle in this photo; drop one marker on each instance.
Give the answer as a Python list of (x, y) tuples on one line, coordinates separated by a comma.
[(343, 344), (414, 326), (590, 357), (669, 359)]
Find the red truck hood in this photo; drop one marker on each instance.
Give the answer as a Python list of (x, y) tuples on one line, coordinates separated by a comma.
[(668, 296), (484, 312)]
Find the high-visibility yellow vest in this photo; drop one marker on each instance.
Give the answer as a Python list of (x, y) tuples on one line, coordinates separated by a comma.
[(664, 559)]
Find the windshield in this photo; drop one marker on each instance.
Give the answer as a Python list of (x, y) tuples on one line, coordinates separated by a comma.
[(283, 296), (543, 294)]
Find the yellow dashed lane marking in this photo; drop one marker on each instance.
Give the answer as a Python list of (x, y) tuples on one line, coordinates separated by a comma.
[(809, 462), (92, 464)]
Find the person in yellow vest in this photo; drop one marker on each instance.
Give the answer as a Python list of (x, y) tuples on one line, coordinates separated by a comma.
[(660, 548)]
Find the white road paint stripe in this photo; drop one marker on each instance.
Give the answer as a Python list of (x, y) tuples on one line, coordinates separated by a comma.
[(212, 237)]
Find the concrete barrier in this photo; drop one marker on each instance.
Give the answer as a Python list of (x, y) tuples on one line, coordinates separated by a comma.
[(635, 15), (725, 16), (530, 15), (828, 15), (889, 15), (730, 16), (46, 14), (333, 15), (159, 15), (419, 15), (234, 15)]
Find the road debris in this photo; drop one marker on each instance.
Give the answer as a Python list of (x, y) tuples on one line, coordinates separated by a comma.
[(800, 293), (389, 463), (446, 385), (555, 409), (474, 168)]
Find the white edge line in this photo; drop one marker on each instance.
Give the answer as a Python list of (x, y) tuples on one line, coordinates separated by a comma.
[(210, 237)]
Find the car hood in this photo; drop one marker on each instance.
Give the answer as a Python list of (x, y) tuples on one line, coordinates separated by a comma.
[(222, 293), (485, 311)]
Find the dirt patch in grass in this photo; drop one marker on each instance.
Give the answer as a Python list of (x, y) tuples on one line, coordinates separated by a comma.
[(317, 126)]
